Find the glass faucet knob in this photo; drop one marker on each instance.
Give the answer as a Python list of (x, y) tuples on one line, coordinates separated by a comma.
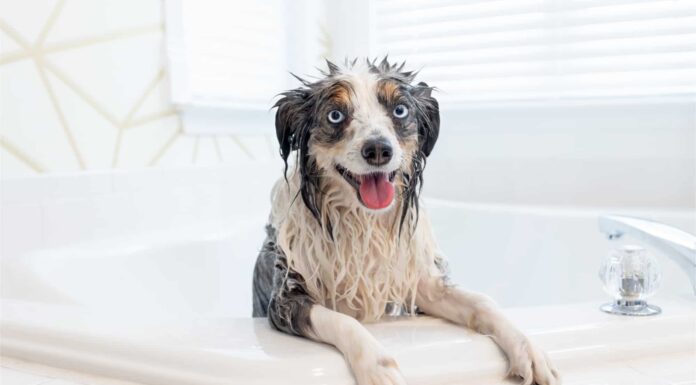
[(630, 274)]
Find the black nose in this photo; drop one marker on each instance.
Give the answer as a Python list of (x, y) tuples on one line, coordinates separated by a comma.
[(377, 152)]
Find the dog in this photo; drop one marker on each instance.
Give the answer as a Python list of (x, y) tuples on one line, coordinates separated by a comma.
[(347, 242)]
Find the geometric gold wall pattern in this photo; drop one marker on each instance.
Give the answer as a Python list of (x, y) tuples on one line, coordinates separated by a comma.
[(87, 90)]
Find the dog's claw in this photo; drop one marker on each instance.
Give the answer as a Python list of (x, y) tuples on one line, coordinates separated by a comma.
[(532, 365), (383, 371)]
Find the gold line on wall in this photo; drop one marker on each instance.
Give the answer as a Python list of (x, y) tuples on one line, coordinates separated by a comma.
[(11, 32), (49, 23), (14, 56), (217, 148), (122, 34), (21, 155), (56, 106), (241, 145), (134, 109), (49, 73), (167, 145), (148, 90), (195, 149), (78, 90), (164, 149), (81, 43), (117, 147)]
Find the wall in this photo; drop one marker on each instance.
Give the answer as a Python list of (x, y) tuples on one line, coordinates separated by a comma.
[(620, 155), (56, 211), (83, 87)]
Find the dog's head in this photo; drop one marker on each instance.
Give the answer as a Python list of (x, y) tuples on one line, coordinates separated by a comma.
[(363, 126)]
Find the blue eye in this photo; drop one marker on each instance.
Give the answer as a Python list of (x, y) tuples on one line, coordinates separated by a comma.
[(400, 111), (336, 116)]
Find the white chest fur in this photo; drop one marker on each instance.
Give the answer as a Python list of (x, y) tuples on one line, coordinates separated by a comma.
[(367, 266)]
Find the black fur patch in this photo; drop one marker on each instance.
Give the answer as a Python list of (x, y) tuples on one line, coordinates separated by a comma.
[(262, 284), (279, 292)]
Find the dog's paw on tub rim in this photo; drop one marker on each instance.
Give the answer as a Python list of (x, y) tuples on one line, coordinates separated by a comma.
[(532, 365), (382, 371)]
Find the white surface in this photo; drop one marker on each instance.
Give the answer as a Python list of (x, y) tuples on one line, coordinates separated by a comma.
[(632, 155), (596, 155), (14, 377), (205, 268), (153, 267), (202, 351), (102, 240), (104, 61)]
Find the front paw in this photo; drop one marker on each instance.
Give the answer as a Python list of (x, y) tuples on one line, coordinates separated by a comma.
[(379, 371), (532, 365)]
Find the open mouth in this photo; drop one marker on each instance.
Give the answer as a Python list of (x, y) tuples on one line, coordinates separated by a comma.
[(375, 190)]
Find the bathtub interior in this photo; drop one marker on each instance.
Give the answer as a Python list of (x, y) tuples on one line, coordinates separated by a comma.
[(204, 271), (529, 256), (520, 256), (147, 278)]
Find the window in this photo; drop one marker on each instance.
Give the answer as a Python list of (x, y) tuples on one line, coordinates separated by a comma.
[(521, 50), (229, 53), (227, 60)]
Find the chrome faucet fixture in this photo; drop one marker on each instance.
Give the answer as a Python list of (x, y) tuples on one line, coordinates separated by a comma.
[(630, 273)]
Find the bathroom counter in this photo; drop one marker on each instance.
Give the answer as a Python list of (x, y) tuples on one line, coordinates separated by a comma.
[(218, 350)]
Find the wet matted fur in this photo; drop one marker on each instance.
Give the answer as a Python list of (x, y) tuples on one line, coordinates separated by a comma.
[(346, 239), (351, 259)]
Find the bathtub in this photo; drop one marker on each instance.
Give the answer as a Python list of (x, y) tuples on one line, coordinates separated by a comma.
[(171, 305)]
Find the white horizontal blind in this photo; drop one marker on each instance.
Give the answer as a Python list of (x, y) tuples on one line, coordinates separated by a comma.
[(227, 53), (509, 50)]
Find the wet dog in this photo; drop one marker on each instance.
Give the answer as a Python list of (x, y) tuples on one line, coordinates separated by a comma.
[(346, 241)]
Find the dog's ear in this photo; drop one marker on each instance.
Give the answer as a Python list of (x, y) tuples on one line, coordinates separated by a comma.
[(291, 117), (428, 115)]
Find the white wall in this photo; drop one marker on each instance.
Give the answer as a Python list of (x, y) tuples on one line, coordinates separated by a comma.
[(83, 86), (54, 211), (613, 155), (89, 91)]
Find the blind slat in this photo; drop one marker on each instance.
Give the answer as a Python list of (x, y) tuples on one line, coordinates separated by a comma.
[(541, 52), (569, 66), (683, 22), (538, 38), (507, 49)]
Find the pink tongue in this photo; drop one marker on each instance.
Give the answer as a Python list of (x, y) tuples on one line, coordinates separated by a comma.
[(376, 191)]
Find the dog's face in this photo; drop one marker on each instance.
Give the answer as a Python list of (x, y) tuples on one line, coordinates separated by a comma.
[(365, 127)]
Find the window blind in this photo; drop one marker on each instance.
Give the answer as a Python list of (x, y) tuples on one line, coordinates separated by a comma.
[(508, 50), (226, 53)]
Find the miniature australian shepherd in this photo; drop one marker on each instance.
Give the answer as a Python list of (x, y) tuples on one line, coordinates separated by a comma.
[(346, 242)]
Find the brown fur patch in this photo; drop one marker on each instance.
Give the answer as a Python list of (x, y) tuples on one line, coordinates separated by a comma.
[(340, 95), (388, 92), (336, 96)]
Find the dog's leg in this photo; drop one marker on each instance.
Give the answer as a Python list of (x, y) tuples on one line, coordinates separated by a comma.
[(293, 311), (480, 313), (366, 357)]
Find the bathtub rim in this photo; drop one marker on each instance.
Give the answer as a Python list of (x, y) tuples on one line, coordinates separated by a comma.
[(579, 335)]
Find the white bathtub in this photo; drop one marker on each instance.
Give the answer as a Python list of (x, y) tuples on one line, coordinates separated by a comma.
[(520, 256), (171, 306)]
